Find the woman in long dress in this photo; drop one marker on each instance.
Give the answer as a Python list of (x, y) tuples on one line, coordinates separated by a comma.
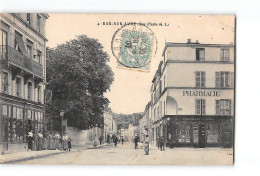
[(65, 142), (52, 144), (40, 141), (45, 142), (95, 142), (146, 145), (35, 141)]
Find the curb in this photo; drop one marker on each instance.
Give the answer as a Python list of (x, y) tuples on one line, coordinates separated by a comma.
[(30, 158)]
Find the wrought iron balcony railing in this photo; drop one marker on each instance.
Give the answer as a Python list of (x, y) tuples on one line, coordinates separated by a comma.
[(20, 60)]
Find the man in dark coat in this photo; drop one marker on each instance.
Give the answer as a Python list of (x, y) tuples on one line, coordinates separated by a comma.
[(115, 140), (158, 140), (30, 140), (100, 140), (163, 141), (136, 139)]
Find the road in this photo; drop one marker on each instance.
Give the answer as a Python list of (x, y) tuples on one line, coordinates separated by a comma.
[(126, 154)]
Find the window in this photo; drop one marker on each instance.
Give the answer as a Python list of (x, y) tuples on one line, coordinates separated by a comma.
[(200, 54), (39, 57), (30, 89), (224, 54), (38, 23), (200, 107), (39, 94), (28, 18), (200, 79), (3, 45), (18, 87), (224, 79), (19, 43), (5, 83), (223, 107), (29, 48)]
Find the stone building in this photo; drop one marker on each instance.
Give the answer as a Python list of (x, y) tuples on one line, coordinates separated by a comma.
[(192, 95), (23, 77)]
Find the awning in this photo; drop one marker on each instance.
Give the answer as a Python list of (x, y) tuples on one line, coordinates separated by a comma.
[(20, 44)]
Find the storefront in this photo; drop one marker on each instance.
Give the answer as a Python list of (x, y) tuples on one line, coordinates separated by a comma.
[(197, 131), (17, 119)]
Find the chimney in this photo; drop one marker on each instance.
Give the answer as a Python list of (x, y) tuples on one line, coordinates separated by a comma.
[(188, 40), (197, 41)]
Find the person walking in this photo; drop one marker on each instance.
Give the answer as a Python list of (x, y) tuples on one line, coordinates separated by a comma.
[(146, 143), (136, 142), (35, 141), (100, 140), (162, 143), (69, 143), (115, 140), (57, 141), (122, 140), (65, 141), (30, 140), (40, 138), (158, 141)]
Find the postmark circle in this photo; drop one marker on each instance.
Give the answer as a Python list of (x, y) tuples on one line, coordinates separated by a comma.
[(133, 45)]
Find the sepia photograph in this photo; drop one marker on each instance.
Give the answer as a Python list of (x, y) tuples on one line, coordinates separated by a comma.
[(117, 89)]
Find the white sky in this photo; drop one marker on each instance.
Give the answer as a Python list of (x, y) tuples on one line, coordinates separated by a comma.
[(130, 91)]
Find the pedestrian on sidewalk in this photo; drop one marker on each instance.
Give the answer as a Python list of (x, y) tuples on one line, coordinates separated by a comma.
[(30, 140), (115, 140), (65, 141), (40, 140), (146, 143), (95, 141), (136, 139), (69, 143), (158, 141), (162, 143), (100, 140), (35, 141), (122, 140), (57, 141), (45, 142)]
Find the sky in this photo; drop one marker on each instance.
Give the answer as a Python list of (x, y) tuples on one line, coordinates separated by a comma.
[(130, 91)]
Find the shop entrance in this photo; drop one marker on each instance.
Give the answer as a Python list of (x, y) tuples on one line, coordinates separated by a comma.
[(202, 136)]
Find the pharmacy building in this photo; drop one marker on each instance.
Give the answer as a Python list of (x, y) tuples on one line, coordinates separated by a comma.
[(192, 95), (23, 77)]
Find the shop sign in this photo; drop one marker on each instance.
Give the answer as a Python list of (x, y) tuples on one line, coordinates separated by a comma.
[(201, 93)]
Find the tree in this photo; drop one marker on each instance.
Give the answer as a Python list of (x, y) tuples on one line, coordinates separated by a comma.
[(78, 74)]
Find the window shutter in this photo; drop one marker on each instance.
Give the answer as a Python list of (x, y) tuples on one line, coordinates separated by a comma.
[(230, 107), (217, 80), (197, 54), (203, 79), (226, 55), (197, 107), (232, 79), (197, 79), (221, 55), (203, 106), (217, 107), (202, 54)]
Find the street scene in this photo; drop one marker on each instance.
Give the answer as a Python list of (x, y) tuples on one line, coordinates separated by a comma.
[(117, 89)]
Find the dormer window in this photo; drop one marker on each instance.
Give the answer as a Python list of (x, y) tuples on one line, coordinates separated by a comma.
[(28, 18)]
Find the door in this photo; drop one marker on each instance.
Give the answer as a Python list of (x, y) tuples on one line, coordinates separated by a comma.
[(202, 136)]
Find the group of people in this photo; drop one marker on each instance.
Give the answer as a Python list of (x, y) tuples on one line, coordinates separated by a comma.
[(38, 141), (110, 140)]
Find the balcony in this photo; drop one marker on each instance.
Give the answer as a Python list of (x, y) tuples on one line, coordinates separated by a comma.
[(21, 61)]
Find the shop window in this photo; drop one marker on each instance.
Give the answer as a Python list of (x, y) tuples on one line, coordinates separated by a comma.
[(18, 87), (3, 44), (184, 133), (200, 54), (224, 54), (213, 133), (5, 82), (223, 107), (200, 107), (200, 79), (224, 79)]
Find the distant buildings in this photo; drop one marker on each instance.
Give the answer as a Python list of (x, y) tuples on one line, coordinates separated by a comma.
[(110, 125), (192, 96), (23, 77)]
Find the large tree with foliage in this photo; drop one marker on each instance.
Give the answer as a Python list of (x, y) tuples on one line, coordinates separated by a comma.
[(78, 74)]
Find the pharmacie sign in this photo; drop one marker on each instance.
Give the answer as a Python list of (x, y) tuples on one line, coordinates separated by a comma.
[(201, 93)]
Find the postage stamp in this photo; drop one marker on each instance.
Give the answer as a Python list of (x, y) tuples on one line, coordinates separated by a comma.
[(134, 45)]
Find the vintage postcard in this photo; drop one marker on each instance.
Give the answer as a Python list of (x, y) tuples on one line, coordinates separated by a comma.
[(117, 89)]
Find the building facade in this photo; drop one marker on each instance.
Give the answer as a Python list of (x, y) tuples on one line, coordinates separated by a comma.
[(110, 125), (192, 95), (23, 77)]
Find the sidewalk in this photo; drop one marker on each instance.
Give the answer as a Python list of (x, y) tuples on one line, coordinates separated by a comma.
[(28, 155)]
